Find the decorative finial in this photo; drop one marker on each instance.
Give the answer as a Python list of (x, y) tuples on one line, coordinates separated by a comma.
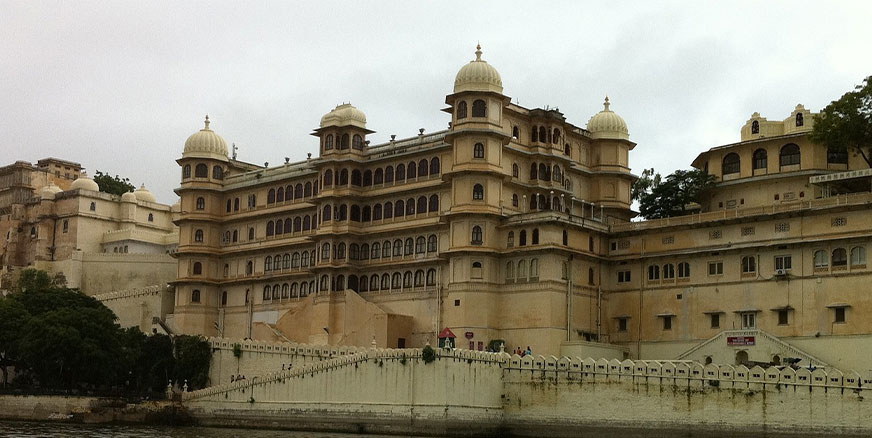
[(234, 150), (207, 122), (478, 52), (606, 103)]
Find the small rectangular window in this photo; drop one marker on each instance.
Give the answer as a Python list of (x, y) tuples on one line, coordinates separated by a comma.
[(782, 317), (783, 262), (667, 323), (716, 268), (622, 324), (456, 303), (623, 276), (840, 315), (716, 320)]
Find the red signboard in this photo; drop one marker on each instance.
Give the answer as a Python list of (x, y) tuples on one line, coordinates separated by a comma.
[(469, 335), (446, 333), (740, 340)]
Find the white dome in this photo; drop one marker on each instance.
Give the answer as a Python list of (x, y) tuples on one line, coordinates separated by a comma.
[(128, 197), (142, 194), (344, 115), (205, 143), (49, 191), (85, 183), (478, 75), (608, 124)]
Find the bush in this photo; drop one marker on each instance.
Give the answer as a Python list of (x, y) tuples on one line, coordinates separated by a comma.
[(428, 354), (237, 351), (494, 345)]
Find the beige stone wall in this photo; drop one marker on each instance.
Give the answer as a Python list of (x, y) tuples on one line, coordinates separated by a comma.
[(138, 307)]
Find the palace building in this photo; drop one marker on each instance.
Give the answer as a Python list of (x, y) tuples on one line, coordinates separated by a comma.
[(514, 225)]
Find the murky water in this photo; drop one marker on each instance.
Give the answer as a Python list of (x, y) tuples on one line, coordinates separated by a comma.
[(53, 430)]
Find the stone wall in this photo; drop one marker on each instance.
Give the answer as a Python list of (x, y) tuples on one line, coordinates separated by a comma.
[(138, 307), (100, 273)]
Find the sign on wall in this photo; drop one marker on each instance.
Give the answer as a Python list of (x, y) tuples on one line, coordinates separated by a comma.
[(740, 340)]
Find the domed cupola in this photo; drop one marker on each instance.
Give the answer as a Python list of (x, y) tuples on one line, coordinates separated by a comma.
[(142, 194), (608, 124), (344, 115), (478, 75), (206, 144), (85, 183)]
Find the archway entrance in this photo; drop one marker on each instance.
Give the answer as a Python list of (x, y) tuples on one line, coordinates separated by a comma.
[(741, 357)]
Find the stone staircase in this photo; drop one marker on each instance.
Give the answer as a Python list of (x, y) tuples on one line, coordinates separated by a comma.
[(762, 339)]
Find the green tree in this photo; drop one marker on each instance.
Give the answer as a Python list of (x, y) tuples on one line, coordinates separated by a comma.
[(114, 185), (673, 195), (193, 356), (846, 124), (13, 316), (646, 181), (33, 279)]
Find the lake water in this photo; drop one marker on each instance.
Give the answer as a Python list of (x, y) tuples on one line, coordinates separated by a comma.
[(52, 430)]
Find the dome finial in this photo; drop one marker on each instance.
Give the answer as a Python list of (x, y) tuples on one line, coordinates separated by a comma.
[(478, 52), (606, 103), (207, 122)]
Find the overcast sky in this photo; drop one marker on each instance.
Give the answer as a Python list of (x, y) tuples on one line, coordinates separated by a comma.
[(119, 85)]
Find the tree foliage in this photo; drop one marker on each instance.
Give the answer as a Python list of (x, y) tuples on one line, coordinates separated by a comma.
[(846, 124), (59, 338), (671, 196), (113, 185)]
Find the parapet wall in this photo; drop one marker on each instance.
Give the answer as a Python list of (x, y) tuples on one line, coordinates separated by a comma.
[(137, 307)]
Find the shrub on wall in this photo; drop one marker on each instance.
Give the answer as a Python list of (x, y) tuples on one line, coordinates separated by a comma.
[(237, 351), (428, 354)]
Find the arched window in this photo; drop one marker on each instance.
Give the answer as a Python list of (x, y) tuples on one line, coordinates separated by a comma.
[(423, 167), (510, 240), (401, 172), (228, 205), (799, 121), (555, 137), (476, 235), (286, 288), (201, 171), (378, 177), (731, 163), (340, 251), (198, 268), (279, 228), (420, 245), (514, 199), (534, 269), (395, 280), (251, 234), (419, 278), (235, 235), (522, 238), (373, 282), (543, 134), (412, 170), (431, 277), (271, 196), (534, 173), (389, 210), (820, 259), (477, 192), (840, 257), (565, 238), (326, 213), (375, 250), (340, 283), (389, 174), (522, 270), (355, 177), (267, 263), (328, 143), (535, 238), (224, 298), (307, 192), (236, 204), (377, 212), (289, 261), (479, 108), (328, 177), (409, 246), (186, 171), (534, 202), (198, 236), (280, 195), (422, 205), (195, 296), (307, 223), (755, 127), (567, 150), (343, 177), (357, 142), (267, 293), (410, 207), (434, 166), (201, 204), (668, 271), (653, 272), (461, 109), (858, 257), (433, 243), (344, 143), (386, 249), (342, 213), (516, 133), (790, 155), (683, 270), (399, 208), (218, 172), (277, 262), (249, 268), (367, 178), (544, 172), (364, 252), (398, 248), (434, 203), (510, 271), (355, 213), (556, 175), (366, 214), (478, 151), (760, 159), (325, 252), (325, 283), (534, 134)]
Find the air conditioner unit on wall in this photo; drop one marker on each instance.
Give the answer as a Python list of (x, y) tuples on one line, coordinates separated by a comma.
[(781, 272)]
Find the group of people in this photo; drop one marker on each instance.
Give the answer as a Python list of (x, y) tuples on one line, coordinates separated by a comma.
[(522, 353)]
